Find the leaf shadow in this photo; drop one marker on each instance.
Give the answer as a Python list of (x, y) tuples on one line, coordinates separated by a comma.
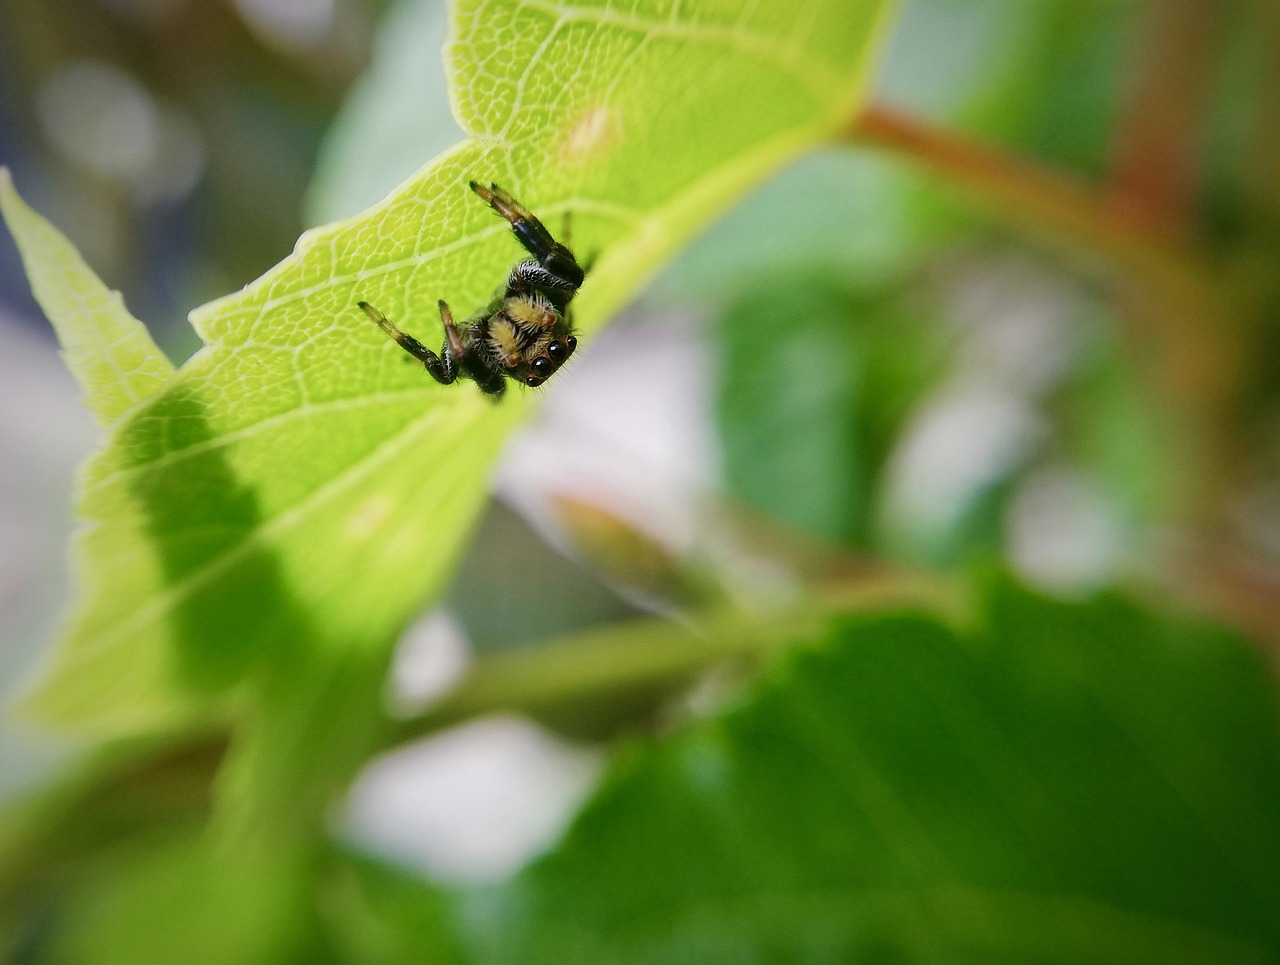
[(230, 605)]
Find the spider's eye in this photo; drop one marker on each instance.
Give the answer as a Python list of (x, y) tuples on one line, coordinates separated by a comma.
[(542, 367), (532, 380), (557, 352), (571, 343)]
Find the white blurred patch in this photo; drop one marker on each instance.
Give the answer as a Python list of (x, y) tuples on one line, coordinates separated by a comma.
[(958, 445), (1064, 535), (628, 428), (289, 24), (1019, 326), (1019, 336), (101, 118), (45, 432), (430, 659), (474, 804)]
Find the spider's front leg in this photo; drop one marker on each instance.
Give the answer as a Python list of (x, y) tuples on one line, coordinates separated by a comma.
[(443, 367), (529, 276), (549, 254)]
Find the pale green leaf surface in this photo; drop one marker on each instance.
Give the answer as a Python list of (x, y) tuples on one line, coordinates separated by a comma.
[(109, 352), (298, 487)]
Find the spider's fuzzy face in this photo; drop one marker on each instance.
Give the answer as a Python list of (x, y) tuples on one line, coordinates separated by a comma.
[(529, 338)]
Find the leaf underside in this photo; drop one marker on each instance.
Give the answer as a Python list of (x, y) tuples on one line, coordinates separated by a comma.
[(295, 487)]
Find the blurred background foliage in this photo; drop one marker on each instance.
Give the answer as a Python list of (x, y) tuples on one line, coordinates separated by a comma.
[(906, 358)]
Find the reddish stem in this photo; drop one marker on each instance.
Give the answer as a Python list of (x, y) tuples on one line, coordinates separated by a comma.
[(1157, 157)]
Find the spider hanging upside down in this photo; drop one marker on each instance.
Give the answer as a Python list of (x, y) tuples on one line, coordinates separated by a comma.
[(525, 332)]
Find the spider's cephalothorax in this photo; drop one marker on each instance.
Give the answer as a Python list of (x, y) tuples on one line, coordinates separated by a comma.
[(526, 331)]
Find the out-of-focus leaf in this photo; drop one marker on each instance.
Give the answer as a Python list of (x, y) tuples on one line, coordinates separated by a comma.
[(814, 385), (377, 915), (788, 408), (110, 352), (297, 489), (1062, 784), (1054, 77), (847, 213), (182, 901), (395, 115), (1111, 431)]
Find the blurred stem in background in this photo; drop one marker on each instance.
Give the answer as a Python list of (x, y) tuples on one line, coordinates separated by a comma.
[(1158, 160), (1266, 160)]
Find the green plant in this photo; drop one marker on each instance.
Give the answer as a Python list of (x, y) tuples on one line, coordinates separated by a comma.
[(937, 766)]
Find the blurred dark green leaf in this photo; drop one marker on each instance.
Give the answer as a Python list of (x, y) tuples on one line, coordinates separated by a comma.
[(1055, 90), (815, 384), (1060, 783), (788, 408), (1107, 426), (377, 915)]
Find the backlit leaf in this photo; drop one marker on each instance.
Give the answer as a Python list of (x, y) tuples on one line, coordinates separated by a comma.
[(298, 488), (110, 352)]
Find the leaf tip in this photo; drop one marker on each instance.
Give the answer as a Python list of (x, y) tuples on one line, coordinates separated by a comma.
[(13, 210), (8, 193)]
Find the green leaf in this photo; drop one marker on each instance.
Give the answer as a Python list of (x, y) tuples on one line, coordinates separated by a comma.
[(1065, 784), (384, 916), (298, 489), (809, 420), (179, 899), (788, 408), (109, 352)]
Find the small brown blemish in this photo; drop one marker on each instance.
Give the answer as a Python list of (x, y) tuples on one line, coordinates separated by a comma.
[(593, 133), (369, 515)]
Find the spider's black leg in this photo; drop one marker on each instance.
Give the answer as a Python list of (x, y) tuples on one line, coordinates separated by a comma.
[(491, 383), (531, 233), (528, 275), (441, 367)]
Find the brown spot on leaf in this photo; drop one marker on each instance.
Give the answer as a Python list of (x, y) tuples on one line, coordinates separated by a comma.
[(592, 134)]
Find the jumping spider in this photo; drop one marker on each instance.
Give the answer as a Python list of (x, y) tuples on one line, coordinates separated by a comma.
[(525, 332)]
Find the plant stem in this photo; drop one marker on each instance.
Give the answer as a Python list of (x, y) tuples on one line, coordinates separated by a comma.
[(1156, 171), (1265, 168), (578, 676), (1050, 204)]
